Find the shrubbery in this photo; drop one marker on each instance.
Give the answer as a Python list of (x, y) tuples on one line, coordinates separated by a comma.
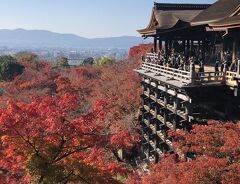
[(9, 68), (88, 61), (62, 63), (106, 60)]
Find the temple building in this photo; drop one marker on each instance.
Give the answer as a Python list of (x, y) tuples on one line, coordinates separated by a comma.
[(191, 74)]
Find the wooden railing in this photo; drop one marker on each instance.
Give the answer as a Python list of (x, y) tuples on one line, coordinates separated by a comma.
[(231, 79), (210, 77), (152, 55), (151, 64), (167, 71)]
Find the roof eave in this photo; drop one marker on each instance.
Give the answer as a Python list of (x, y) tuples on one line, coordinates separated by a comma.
[(145, 33)]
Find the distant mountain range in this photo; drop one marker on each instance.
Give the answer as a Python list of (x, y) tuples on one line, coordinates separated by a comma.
[(41, 38)]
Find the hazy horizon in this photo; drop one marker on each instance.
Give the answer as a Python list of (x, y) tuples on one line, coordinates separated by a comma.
[(95, 19), (70, 33)]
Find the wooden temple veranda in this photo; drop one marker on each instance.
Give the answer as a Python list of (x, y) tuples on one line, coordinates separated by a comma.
[(177, 89)]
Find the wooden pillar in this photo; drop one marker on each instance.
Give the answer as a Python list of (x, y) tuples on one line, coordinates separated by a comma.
[(155, 44), (199, 45), (156, 97), (156, 90), (148, 146), (143, 115), (166, 99), (204, 48), (192, 73), (188, 111), (213, 50), (155, 148), (184, 45), (148, 132), (188, 45), (192, 45), (148, 91), (166, 47), (155, 142), (160, 45), (238, 67), (176, 105), (170, 45), (234, 50)]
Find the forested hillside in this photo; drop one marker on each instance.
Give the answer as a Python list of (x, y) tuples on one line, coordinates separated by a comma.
[(70, 125)]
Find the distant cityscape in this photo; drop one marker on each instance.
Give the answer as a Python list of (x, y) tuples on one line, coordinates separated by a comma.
[(51, 46), (75, 56)]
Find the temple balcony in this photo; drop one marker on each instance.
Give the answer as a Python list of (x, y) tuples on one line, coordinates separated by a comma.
[(181, 78)]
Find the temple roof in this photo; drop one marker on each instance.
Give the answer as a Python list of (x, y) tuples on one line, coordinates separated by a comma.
[(222, 9), (166, 18), (229, 22), (171, 6), (171, 16)]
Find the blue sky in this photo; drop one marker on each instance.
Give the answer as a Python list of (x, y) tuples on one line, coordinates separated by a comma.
[(88, 18)]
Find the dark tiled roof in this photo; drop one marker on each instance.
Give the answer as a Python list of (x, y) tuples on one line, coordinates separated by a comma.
[(227, 22), (219, 10), (168, 19), (169, 16), (171, 6)]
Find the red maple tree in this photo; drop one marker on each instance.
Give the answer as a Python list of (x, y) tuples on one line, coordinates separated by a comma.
[(63, 126), (213, 152), (48, 141)]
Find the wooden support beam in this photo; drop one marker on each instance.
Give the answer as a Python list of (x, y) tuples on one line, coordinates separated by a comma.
[(192, 73), (155, 149), (166, 48), (156, 90), (156, 111), (192, 45), (234, 54), (204, 48), (175, 106), (149, 107), (238, 67), (166, 99), (170, 45), (148, 91), (155, 44), (160, 45), (188, 111), (183, 46), (188, 45), (170, 91)]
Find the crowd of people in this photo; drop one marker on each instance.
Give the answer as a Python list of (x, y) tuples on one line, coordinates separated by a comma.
[(178, 60), (226, 63), (182, 61)]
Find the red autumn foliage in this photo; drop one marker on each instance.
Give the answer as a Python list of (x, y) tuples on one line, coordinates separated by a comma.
[(32, 82), (137, 52), (48, 135), (117, 84), (51, 119), (59, 126), (217, 151)]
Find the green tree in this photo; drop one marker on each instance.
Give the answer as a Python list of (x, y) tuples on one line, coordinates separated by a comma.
[(88, 61), (29, 60), (27, 56), (106, 60), (9, 68), (62, 63)]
